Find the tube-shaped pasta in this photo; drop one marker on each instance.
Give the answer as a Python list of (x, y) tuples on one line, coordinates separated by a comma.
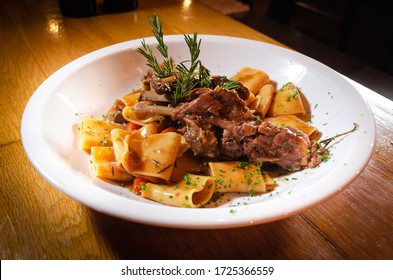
[(148, 130), (103, 164), (184, 146), (193, 191), (235, 176), (152, 157), (250, 100), (253, 79), (118, 135), (113, 113), (126, 157), (269, 181), (287, 101), (96, 133), (293, 121), (131, 99), (265, 95)]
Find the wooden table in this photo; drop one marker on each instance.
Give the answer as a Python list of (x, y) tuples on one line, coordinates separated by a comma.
[(39, 222)]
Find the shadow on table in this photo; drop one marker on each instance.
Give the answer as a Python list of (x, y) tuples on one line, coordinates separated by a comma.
[(284, 239)]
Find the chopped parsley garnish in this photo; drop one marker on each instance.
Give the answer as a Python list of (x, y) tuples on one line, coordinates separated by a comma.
[(187, 179), (243, 165), (143, 187)]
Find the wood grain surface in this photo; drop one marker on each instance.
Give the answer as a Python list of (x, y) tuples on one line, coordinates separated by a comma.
[(39, 222)]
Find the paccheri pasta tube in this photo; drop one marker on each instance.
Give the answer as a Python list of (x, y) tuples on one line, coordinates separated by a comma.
[(236, 176), (287, 101), (96, 133), (293, 121), (152, 157), (253, 79), (103, 165), (192, 191)]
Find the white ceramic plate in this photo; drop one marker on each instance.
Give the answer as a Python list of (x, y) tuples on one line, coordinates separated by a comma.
[(89, 85)]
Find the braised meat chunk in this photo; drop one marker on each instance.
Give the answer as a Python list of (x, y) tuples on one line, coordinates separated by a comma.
[(205, 116), (201, 137), (219, 103), (218, 124)]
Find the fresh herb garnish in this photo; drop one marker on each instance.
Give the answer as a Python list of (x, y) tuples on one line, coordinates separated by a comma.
[(203, 76), (187, 179), (143, 187), (230, 84), (243, 165), (187, 78), (194, 76), (167, 67), (328, 140)]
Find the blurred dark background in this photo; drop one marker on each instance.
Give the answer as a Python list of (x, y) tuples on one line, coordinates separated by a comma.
[(353, 37)]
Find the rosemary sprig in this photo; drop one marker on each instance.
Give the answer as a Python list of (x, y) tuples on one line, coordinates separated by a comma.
[(330, 139), (156, 24), (167, 67), (147, 52), (185, 82), (230, 84), (194, 76), (194, 47), (204, 76), (187, 78)]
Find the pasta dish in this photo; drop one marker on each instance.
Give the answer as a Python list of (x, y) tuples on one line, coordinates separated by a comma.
[(186, 136)]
